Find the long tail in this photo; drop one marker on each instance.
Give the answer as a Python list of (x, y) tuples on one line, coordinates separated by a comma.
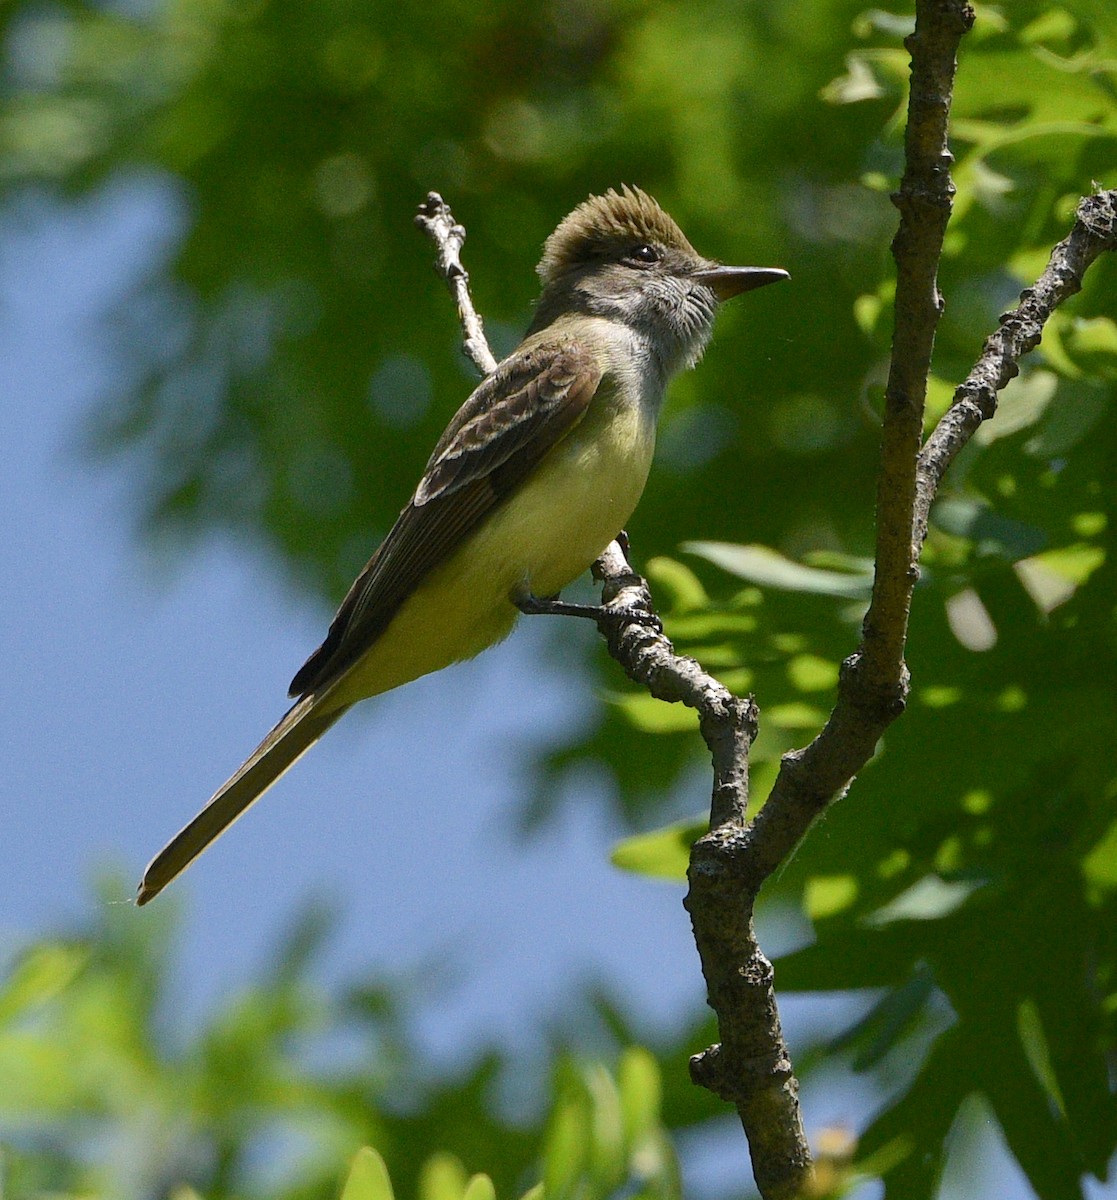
[(299, 729)]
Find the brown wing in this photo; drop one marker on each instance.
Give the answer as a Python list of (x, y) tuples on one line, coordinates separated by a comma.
[(530, 402)]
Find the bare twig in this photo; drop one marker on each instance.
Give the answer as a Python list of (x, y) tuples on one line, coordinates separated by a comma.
[(648, 658), (1094, 232), (436, 220)]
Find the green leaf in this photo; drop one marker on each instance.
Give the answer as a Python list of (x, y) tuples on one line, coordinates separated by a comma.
[(991, 533), (768, 568), (1022, 404), (662, 853), (638, 1081), (368, 1178), (1099, 867), (480, 1187), (850, 959), (184, 1192), (1029, 1028), (828, 895), (567, 1149), (675, 585), (40, 975), (810, 673), (650, 715), (1092, 343), (1035, 1132), (608, 1160), (928, 899), (889, 1019), (443, 1177)]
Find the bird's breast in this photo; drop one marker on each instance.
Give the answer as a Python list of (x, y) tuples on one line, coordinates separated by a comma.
[(578, 499), (541, 537)]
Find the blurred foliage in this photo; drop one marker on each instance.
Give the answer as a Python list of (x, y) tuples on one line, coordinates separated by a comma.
[(105, 1094), (292, 358)]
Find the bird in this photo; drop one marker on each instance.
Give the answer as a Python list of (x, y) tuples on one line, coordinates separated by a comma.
[(539, 470)]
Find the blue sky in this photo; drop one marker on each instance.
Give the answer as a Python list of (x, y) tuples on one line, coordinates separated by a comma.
[(134, 684)]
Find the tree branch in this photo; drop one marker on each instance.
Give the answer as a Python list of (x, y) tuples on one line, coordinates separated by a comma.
[(727, 870), (436, 220), (751, 1066), (1019, 331), (873, 685), (924, 199)]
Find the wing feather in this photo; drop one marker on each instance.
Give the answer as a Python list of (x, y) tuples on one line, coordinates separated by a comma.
[(509, 423)]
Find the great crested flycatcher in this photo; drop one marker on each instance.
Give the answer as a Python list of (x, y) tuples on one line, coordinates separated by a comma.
[(539, 470)]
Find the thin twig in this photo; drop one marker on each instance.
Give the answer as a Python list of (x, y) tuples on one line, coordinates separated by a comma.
[(436, 220), (728, 723), (1019, 331)]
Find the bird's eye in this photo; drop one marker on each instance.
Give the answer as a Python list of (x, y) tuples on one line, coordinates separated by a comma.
[(643, 254)]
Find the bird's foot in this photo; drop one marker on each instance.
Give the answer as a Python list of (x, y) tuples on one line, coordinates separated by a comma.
[(552, 606)]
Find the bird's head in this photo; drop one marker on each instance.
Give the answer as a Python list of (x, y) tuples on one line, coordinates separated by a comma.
[(620, 256)]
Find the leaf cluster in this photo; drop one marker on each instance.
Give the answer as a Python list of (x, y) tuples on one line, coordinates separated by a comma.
[(106, 1094)]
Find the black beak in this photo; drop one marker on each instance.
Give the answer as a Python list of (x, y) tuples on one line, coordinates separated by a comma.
[(727, 282)]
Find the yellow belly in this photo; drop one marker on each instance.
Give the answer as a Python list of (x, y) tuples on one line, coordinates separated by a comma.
[(540, 539)]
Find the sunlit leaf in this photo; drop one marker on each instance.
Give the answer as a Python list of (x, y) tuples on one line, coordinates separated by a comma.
[(368, 1178), (768, 568), (638, 1082), (443, 1177), (480, 1187), (608, 1158), (663, 853), (567, 1149), (39, 976)]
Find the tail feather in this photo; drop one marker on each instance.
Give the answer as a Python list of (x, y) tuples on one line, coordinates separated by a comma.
[(298, 730)]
